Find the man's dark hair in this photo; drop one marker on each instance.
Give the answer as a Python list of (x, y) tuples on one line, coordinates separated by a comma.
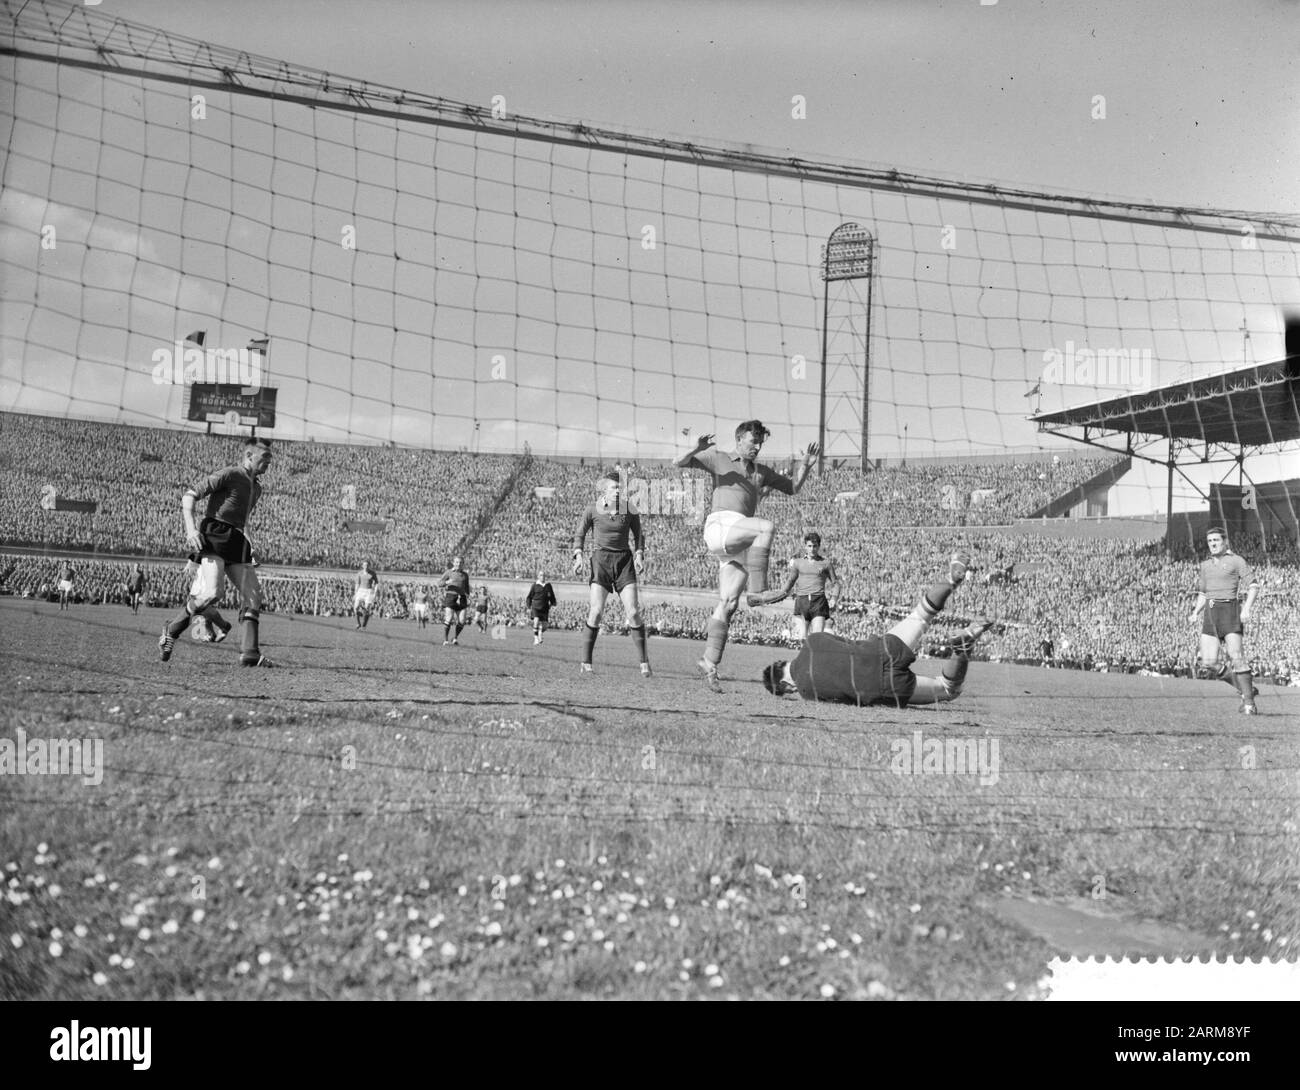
[(772, 676), (1217, 530), (257, 441), (814, 537), (754, 426)]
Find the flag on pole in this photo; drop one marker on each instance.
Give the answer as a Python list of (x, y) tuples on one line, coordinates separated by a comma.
[(259, 345), (197, 337), (1036, 390)]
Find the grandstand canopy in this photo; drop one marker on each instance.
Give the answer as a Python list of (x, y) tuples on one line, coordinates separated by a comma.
[(1253, 407)]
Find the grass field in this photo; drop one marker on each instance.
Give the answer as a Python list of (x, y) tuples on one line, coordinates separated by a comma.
[(385, 817)]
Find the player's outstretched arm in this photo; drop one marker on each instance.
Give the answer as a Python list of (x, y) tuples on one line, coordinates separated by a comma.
[(192, 536), (810, 456), (701, 444)]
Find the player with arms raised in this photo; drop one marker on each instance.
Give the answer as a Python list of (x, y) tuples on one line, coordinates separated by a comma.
[(223, 550), (614, 566), (807, 578), (366, 584), (740, 542), (1222, 578), (878, 670), (455, 600)]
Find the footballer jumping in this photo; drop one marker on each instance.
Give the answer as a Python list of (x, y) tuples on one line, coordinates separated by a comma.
[(739, 541)]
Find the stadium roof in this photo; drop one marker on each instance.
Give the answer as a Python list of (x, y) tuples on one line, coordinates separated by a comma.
[(1253, 407)]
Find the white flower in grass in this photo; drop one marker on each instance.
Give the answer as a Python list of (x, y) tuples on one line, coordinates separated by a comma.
[(286, 973), (568, 936), (145, 934), (827, 991), (543, 941), (716, 982), (264, 958), (81, 931), (128, 963), (597, 936), (639, 967), (170, 927), (17, 940), (100, 979), (55, 889), (197, 915), (42, 847), (609, 947), (447, 949), (215, 863), (492, 930), (242, 968), (597, 885), (674, 920), (784, 960), (115, 960), (876, 990), (684, 976)]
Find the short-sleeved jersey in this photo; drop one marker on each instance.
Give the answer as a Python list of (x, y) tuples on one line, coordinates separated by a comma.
[(610, 527), (135, 581), (541, 596), (481, 602), (232, 494), (421, 597), (66, 572), (366, 580), (457, 580), (1225, 576), (811, 576), (840, 671), (737, 484)]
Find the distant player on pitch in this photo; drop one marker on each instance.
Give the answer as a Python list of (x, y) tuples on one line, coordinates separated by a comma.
[(1222, 578), (135, 584), (739, 541), (67, 576), (366, 584), (420, 607), (223, 550), (614, 566), (878, 670), (808, 578), (541, 597), (481, 610), (455, 600)]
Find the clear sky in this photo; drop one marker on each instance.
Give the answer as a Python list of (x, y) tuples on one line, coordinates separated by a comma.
[(595, 340)]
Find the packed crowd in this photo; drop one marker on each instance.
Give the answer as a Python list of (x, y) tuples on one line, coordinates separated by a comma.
[(316, 494)]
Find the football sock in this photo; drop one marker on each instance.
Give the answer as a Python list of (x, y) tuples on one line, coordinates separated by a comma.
[(954, 672), (458, 630), (248, 639), (446, 633), (638, 635), (588, 642), (1245, 685), (756, 564), (936, 597), (715, 640)]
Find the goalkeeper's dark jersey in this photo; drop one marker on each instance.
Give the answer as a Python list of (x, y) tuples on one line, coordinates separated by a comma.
[(610, 528)]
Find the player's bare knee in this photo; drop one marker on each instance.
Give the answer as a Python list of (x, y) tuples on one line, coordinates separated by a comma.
[(634, 619)]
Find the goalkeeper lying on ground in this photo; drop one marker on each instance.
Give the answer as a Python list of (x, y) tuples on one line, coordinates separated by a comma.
[(878, 670)]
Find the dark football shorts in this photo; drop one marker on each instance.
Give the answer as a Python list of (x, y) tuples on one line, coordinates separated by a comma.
[(808, 606), (612, 570), (1222, 619), (222, 540), (897, 682), (454, 600), (543, 615)]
